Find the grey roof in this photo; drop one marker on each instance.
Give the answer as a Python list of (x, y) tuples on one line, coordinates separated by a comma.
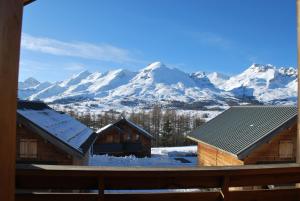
[(241, 129), (58, 128)]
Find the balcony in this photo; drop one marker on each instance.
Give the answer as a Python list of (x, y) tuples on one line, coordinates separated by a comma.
[(233, 183)]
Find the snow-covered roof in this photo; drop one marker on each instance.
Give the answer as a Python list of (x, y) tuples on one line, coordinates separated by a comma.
[(130, 123), (58, 125), (104, 128)]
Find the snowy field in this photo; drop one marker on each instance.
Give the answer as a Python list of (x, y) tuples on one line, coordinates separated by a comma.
[(161, 157)]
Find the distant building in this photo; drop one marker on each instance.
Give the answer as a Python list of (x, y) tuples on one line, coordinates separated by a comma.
[(245, 135), (46, 136), (123, 138)]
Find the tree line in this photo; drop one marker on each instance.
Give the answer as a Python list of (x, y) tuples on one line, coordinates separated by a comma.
[(168, 127)]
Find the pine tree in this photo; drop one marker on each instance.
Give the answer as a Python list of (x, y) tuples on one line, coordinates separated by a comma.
[(166, 134)]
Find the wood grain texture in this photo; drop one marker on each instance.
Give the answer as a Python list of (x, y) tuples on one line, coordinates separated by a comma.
[(211, 156), (205, 196), (47, 153), (10, 36), (269, 152)]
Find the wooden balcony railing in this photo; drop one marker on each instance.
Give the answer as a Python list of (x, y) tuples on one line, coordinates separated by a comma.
[(214, 183)]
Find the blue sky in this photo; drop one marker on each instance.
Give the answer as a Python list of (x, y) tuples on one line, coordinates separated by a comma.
[(63, 37)]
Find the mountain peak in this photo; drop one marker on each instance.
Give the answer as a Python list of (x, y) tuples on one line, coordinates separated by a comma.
[(31, 80), (155, 65), (261, 67), (28, 83), (199, 74)]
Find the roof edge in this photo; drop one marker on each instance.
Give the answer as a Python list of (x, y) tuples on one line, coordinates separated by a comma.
[(199, 141), (146, 133)]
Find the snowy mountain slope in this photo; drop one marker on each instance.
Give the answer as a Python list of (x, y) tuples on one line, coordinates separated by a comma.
[(217, 79), (158, 83), (85, 85), (266, 83)]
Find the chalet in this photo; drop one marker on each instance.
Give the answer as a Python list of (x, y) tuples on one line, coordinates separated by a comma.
[(46, 136), (248, 135), (123, 138)]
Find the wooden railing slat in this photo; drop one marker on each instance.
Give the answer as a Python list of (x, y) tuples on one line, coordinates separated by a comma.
[(207, 196), (60, 178), (81, 182)]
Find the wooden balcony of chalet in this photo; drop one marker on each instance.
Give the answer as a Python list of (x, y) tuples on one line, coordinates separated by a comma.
[(45, 182), (207, 184)]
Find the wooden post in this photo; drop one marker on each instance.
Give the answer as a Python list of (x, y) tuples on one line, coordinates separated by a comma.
[(298, 65), (225, 189), (101, 188), (10, 36)]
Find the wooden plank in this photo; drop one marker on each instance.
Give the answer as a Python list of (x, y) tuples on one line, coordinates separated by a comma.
[(75, 177), (266, 195), (123, 172), (133, 182), (207, 196), (264, 179), (10, 36)]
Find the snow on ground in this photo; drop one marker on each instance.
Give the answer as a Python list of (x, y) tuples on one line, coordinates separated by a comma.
[(161, 157), (175, 151)]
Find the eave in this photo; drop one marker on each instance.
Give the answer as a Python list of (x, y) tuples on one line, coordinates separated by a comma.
[(26, 2)]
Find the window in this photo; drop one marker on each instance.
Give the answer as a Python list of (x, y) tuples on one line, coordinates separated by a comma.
[(286, 149), (28, 148)]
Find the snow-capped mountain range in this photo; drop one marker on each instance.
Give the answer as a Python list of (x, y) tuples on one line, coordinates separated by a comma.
[(160, 84)]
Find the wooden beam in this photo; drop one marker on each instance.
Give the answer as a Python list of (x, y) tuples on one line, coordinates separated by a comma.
[(10, 36), (298, 63), (207, 196), (26, 2), (117, 178)]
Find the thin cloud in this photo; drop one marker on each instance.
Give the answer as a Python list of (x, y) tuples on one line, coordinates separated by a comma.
[(104, 52), (212, 39), (37, 66)]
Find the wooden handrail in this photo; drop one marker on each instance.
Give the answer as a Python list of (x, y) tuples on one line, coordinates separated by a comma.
[(58, 178)]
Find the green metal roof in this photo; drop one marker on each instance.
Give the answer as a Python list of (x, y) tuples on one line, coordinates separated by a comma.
[(241, 129)]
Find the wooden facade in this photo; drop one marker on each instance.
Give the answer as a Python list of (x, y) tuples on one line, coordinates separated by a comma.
[(31, 148), (280, 149), (123, 138), (212, 156), (45, 136)]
